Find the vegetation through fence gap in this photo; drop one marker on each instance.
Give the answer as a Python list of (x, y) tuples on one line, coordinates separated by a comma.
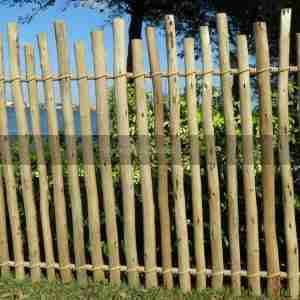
[(114, 200)]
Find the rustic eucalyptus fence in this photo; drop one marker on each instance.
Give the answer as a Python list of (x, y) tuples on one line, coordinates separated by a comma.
[(20, 252)]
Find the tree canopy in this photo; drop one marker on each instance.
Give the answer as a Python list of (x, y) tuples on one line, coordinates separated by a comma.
[(190, 14)]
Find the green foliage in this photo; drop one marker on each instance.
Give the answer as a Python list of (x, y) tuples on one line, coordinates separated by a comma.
[(220, 137)]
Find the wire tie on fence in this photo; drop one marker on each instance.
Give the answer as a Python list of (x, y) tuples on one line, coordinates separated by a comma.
[(120, 75), (97, 268), (103, 76), (64, 76), (153, 74), (83, 267), (83, 77), (201, 272), (2, 79), (65, 267), (257, 274), (37, 265), (132, 270), (217, 273), (236, 273), (50, 76), (169, 270), (190, 73), (183, 272), (116, 268), (50, 266), (21, 264), (263, 70), (14, 79), (4, 264), (274, 275), (151, 270), (136, 76), (284, 70), (243, 71), (172, 74), (32, 78), (206, 73), (225, 72)]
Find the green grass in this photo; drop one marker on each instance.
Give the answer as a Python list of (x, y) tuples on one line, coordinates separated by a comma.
[(13, 289)]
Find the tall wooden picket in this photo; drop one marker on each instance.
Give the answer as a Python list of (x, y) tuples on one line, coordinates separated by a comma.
[(26, 171), (189, 45), (124, 143), (284, 156), (177, 169), (264, 88), (42, 168), (56, 162), (163, 195), (211, 163), (231, 163), (103, 124), (9, 179), (248, 168), (145, 166), (89, 164), (69, 130)]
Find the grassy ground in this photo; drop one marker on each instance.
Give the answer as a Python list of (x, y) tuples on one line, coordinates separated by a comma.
[(13, 289)]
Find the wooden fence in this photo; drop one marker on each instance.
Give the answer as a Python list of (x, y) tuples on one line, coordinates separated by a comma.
[(42, 250)]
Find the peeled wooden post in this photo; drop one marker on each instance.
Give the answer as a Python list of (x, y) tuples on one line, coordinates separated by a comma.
[(189, 56), (124, 149), (231, 163), (25, 164), (4, 252), (88, 160), (9, 179), (70, 134), (56, 162), (163, 194), (177, 169), (103, 124), (145, 164), (253, 268), (289, 200), (298, 75), (264, 88), (211, 160), (42, 168)]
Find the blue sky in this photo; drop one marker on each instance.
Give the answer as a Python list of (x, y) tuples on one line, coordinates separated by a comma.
[(79, 21)]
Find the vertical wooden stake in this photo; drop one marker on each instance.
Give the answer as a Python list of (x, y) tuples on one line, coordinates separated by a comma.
[(25, 164), (56, 163), (211, 160), (232, 190), (248, 167), (69, 130), (298, 76), (4, 252), (124, 148), (88, 160), (42, 169), (163, 193), (264, 88), (177, 169), (103, 124), (145, 164), (289, 200), (189, 56), (9, 179)]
